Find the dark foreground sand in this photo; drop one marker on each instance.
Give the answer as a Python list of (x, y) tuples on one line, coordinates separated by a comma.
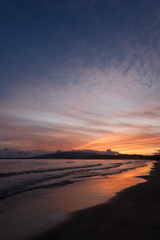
[(133, 213)]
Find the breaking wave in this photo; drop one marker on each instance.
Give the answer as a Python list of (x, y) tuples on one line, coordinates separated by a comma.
[(26, 175)]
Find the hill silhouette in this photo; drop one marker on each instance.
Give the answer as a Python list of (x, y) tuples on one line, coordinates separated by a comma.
[(90, 155)]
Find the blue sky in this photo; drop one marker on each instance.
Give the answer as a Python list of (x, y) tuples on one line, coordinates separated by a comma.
[(80, 75)]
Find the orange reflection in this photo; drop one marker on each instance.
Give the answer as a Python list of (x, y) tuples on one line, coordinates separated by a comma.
[(42, 210), (90, 192)]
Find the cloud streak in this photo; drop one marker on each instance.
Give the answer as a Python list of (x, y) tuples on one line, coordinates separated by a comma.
[(80, 77)]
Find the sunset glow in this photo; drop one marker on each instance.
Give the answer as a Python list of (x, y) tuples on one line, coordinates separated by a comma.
[(80, 75)]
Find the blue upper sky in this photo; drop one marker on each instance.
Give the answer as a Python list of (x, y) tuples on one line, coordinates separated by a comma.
[(80, 75)]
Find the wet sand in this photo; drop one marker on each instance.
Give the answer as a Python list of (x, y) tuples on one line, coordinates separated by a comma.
[(133, 213)]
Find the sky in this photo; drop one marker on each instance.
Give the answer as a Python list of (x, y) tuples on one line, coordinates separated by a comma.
[(80, 75)]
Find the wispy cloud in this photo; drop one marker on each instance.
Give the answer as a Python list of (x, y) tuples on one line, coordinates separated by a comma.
[(139, 143), (83, 79)]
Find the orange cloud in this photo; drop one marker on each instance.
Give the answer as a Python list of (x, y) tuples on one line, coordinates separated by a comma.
[(129, 144)]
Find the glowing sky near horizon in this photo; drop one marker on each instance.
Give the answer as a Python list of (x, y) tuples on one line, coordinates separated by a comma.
[(81, 74)]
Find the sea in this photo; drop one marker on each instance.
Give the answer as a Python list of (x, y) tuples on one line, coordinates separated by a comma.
[(39, 194)]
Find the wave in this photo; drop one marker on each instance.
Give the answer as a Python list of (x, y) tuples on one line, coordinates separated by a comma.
[(14, 191), (18, 182), (8, 174), (34, 184), (40, 182)]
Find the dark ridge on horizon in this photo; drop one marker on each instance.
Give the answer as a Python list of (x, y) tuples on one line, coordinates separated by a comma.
[(66, 155), (88, 155), (126, 156)]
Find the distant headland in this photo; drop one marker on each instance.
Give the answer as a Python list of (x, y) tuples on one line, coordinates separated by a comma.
[(77, 154), (88, 155)]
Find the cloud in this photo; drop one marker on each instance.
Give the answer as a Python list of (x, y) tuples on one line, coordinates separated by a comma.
[(110, 152), (12, 153), (142, 143), (94, 152), (157, 152), (73, 125), (82, 81)]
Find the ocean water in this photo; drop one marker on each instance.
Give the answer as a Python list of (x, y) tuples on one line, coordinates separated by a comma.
[(19, 176), (38, 194)]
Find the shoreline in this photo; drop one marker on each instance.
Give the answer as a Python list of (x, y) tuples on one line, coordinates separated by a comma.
[(132, 214)]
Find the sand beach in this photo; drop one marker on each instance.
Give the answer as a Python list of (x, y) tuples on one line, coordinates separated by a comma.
[(134, 213)]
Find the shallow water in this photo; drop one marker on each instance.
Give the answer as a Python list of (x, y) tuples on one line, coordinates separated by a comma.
[(38, 194), (20, 176)]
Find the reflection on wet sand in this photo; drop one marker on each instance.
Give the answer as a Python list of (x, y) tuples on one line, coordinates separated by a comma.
[(94, 191), (36, 213)]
